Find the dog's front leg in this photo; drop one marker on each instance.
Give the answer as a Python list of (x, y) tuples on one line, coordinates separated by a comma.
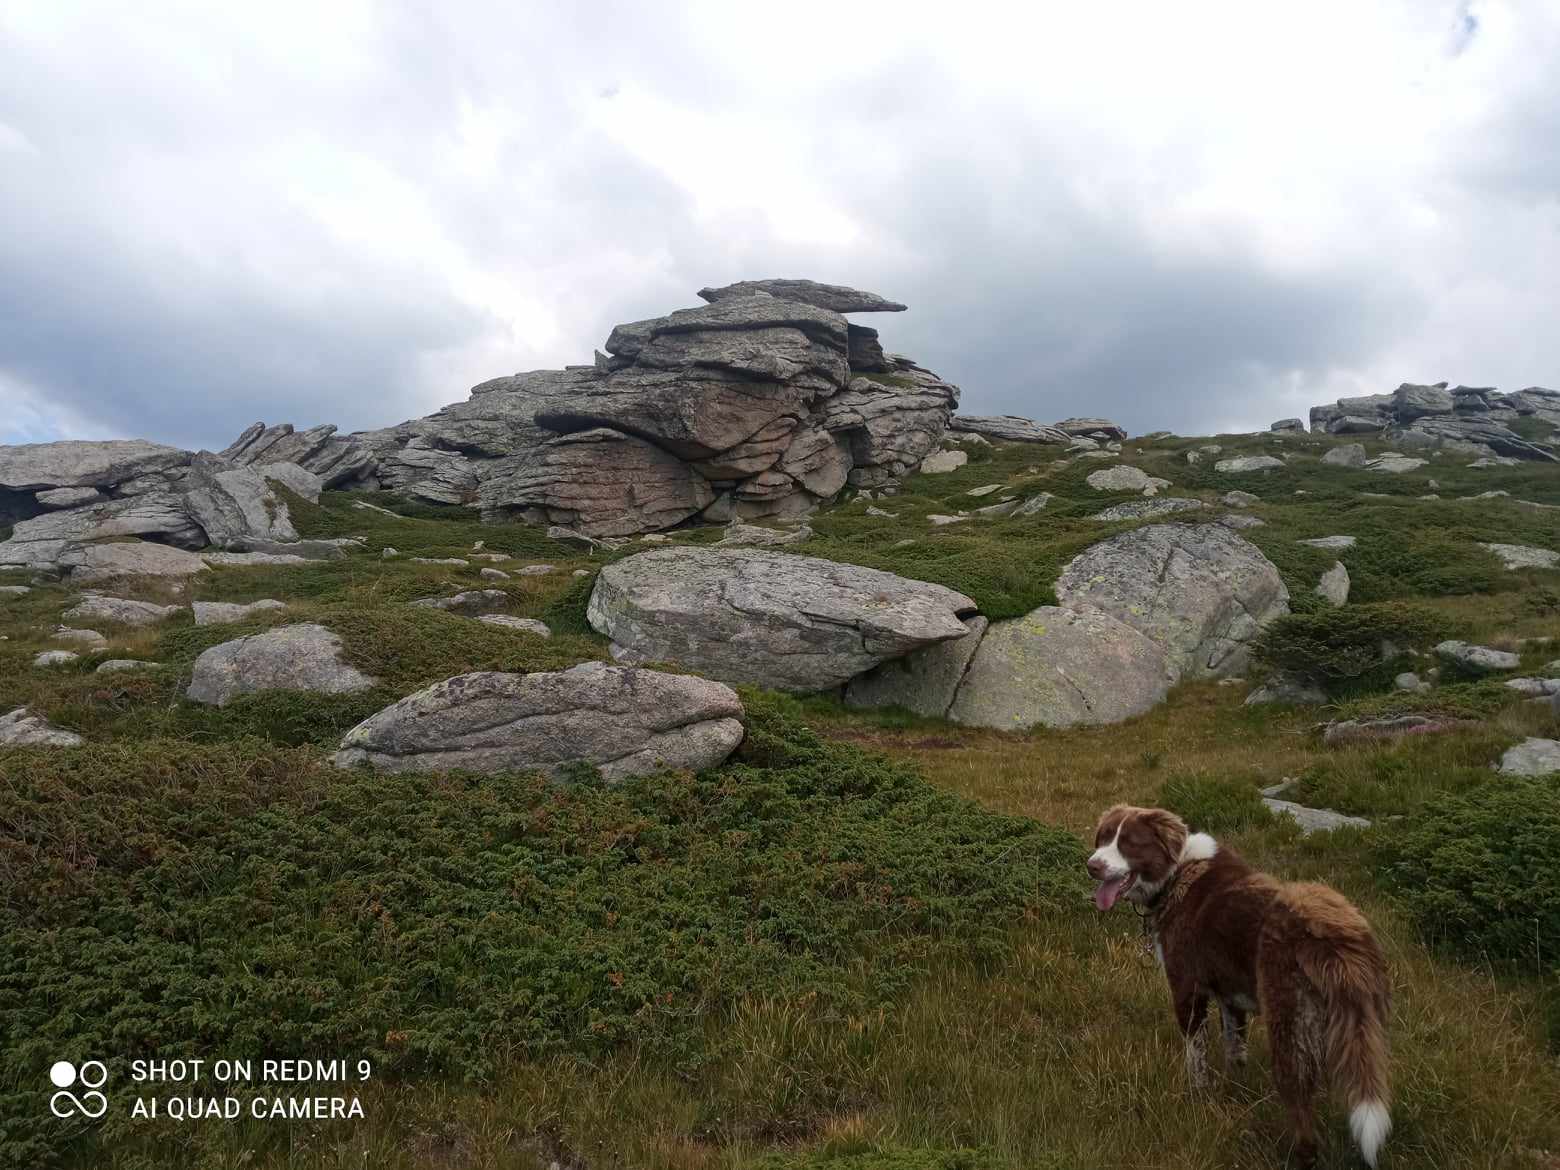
[(1191, 1013)]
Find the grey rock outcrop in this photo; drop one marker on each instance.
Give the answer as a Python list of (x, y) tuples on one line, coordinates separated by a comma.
[(32, 467), (119, 609), (1099, 430), (837, 298), (1476, 659), (768, 618), (1288, 426), (1314, 820), (1532, 757), (223, 613), (520, 624), (304, 657), (1125, 479), (1464, 419), (298, 480), (1199, 590), (1523, 556), (1246, 463), (1144, 509), (1009, 428), (21, 728), (338, 460), (1333, 588), (472, 601), (624, 720), (1347, 455), (232, 504), (1058, 667)]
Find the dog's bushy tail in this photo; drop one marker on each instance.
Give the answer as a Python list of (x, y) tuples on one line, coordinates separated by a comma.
[(1340, 956)]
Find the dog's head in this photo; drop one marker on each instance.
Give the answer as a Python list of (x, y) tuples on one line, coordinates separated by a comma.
[(1138, 850)]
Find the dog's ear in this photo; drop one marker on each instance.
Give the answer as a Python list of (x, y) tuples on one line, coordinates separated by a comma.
[(1168, 829), (1110, 820)]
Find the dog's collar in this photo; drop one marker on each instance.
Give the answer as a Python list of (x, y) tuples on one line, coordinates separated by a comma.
[(1161, 899)]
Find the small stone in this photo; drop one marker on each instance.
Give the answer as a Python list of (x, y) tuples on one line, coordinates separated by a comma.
[(875, 511), (1409, 681), (1239, 499), (984, 490), (55, 658), (493, 575), (939, 520), (536, 570), (756, 535), (491, 557), (118, 665), (1287, 688), (1314, 820), (15, 590), (1330, 542), (1238, 520), (1034, 504), (1125, 479), (1334, 585), (439, 561), (1534, 688), (389, 553)]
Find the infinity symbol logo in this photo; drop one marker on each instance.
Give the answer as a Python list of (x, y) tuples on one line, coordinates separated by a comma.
[(90, 1104)]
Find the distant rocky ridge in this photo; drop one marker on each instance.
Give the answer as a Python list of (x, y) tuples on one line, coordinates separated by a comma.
[(1469, 420), (763, 402)]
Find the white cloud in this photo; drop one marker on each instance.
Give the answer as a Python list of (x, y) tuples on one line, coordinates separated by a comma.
[(1196, 216)]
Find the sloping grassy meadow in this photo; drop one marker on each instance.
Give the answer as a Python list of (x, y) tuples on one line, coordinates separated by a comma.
[(862, 944)]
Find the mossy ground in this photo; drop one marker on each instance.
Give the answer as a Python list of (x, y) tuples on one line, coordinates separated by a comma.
[(877, 959)]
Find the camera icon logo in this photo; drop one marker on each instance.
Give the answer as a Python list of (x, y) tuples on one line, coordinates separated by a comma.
[(92, 1076)]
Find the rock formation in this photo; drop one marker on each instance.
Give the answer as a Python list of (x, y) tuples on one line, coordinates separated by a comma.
[(763, 402), (1469, 420)]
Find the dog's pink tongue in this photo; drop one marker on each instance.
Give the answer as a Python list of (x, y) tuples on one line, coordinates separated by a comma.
[(1106, 893)]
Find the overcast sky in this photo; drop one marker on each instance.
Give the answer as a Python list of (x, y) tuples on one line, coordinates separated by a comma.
[(1197, 216)]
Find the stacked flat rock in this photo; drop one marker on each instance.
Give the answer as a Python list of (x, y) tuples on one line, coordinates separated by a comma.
[(1009, 428), (65, 500), (763, 402), (1469, 420)]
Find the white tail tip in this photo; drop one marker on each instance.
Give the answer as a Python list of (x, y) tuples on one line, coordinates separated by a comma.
[(1370, 1124)]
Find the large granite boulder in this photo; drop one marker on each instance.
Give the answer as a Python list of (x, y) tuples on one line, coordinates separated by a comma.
[(624, 720), (234, 503), (1009, 428), (1099, 429), (1199, 590), (768, 618), (304, 657), (889, 424), (1463, 419), (161, 516), (1061, 667)]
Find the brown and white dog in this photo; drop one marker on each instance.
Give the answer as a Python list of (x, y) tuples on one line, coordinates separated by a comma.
[(1300, 954)]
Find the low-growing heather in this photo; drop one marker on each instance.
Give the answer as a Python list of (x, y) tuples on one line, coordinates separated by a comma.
[(244, 899), (1337, 645), (1479, 871)]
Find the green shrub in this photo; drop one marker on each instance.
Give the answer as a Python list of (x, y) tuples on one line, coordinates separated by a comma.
[(244, 899), (1334, 645), (1479, 872), (1214, 804)]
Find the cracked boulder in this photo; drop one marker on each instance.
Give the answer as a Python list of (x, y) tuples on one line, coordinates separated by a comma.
[(1199, 590), (1057, 667), (624, 720), (767, 618), (235, 504)]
